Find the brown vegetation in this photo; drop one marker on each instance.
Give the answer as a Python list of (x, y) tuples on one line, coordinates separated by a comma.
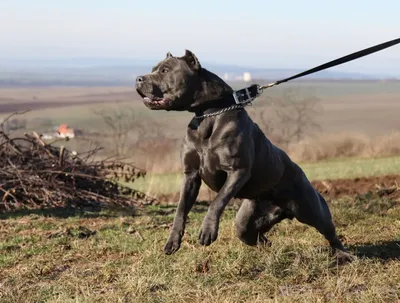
[(34, 175), (345, 145)]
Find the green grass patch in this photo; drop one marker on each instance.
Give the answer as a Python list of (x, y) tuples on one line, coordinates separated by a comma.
[(156, 184), (352, 168)]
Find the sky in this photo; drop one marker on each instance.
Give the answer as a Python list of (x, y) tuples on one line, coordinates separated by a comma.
[(258, 33)]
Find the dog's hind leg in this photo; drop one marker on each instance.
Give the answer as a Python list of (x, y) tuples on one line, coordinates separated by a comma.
[(312, 209), (254, 219)]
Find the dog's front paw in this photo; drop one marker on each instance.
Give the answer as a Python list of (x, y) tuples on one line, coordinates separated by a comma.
[(208, 233), (173, 243)]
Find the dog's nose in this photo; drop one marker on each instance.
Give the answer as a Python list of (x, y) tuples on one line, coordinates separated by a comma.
[(139, 81)]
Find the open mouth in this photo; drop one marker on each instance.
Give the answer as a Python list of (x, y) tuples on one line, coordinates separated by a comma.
[(154, 102)]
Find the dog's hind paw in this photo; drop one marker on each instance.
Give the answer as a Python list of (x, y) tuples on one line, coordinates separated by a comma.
[(343, 257), (263, 240)]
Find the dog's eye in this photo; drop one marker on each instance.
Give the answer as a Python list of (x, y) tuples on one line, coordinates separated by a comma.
[(164, 70)]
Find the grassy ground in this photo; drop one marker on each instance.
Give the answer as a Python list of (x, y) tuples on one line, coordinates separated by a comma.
[(156, 184), (51, 257)]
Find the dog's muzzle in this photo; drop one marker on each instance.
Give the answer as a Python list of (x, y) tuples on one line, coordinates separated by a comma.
[(151, 101)]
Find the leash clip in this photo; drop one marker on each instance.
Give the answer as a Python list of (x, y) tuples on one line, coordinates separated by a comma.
[(236, 97), (246, 95), (260, 90)]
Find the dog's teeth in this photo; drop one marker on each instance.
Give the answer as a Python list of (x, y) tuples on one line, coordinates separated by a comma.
[(146, 99)]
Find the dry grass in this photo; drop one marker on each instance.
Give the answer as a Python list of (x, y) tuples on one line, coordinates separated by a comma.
[(45, 258), (387, 145), (324, 147), (345, 145)]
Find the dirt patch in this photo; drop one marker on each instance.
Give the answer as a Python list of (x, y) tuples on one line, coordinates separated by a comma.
[(382, 185)]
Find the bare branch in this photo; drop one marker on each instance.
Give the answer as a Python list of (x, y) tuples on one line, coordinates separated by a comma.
[(35, 174)]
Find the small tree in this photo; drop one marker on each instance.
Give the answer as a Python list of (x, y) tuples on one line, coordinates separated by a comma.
[(289, 117), (127, 128), (120, 122)]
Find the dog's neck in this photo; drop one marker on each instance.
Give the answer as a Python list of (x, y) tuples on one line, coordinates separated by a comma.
[(213, 94)]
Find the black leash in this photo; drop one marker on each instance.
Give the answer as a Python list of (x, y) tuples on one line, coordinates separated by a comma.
[(245, 96), (339, 61)]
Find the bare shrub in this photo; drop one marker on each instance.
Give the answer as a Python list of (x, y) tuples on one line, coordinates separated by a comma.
[(329, 146), (158, 154), (387, 145), (296, 115), (345, 145), (127, 130), (142, 140), (35, 174), (288, 118), (120, 121)]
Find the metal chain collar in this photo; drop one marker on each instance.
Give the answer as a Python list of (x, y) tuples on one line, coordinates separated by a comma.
[(238, 103), (232, 107)]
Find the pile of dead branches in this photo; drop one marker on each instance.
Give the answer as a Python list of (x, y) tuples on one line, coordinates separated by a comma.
[(34, 174)]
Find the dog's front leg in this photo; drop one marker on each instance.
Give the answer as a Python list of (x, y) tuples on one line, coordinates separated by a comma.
[(234, 182), (189, 192)]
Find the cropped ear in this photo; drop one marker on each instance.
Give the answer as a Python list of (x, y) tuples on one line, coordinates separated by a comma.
[(169, 55), (192, 60)]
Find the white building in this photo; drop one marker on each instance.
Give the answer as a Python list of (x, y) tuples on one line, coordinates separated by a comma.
[(247, 77)]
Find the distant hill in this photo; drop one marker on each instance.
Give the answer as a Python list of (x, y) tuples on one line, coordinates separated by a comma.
[(85, 71)]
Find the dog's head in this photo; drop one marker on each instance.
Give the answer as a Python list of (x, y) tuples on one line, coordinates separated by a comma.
[(172, 84)]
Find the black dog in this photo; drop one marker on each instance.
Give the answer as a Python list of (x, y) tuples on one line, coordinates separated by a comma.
[(228, 151)]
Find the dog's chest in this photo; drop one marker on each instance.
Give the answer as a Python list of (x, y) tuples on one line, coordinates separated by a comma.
[(209, 160), (209, 169)]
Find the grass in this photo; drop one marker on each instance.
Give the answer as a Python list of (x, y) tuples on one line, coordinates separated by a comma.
[(45, 258), (156, 184), (352, 168)]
